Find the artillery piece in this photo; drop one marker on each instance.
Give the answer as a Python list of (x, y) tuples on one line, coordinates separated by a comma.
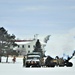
[(51, 62)]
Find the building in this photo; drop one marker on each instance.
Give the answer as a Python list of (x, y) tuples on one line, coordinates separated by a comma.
[(27, 46)]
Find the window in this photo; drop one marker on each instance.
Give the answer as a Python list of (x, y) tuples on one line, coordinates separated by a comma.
[(28, 46), (22, 46), (18, 46), (28, 51)]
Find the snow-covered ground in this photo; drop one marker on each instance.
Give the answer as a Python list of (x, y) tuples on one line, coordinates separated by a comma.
[(17, 69)]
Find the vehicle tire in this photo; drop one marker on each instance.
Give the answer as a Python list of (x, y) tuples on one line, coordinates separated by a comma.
[(52, 65), (38, 66), (61, 65), (27, 66)]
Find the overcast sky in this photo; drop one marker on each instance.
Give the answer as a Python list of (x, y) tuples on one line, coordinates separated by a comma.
[(29, 17), (24, 18)]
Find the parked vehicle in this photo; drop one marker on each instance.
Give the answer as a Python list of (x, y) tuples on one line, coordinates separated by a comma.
[(33, 59)]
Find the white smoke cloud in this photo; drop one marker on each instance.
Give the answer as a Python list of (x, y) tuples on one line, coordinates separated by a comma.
[(61, 43)]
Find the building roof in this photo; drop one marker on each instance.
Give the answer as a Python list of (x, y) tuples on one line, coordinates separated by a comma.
[(23, 40), (19, 43)]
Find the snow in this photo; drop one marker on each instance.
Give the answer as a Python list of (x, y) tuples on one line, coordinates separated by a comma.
[(18, 69), (20, 43)]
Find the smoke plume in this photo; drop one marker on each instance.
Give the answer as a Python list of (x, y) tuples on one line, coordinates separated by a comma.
[(60, 44)]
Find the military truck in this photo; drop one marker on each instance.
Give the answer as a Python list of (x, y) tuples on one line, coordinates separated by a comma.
[(33, 59)]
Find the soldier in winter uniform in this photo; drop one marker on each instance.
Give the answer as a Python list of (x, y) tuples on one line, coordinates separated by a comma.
[(14, 59), (24, 60)]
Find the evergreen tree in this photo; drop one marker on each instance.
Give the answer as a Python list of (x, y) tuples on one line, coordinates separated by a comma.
[(38, 48), (6, 41)]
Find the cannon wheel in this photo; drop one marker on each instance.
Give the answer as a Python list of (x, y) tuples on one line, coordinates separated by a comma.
[(69, 64)]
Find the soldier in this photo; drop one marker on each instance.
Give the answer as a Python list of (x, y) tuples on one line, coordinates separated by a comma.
[(14, 59), (57, 58), (24, 60), (42, 61), (0, 59), (7, 59)]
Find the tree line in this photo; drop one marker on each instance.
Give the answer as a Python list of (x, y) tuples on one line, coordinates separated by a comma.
[(6, 42)]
